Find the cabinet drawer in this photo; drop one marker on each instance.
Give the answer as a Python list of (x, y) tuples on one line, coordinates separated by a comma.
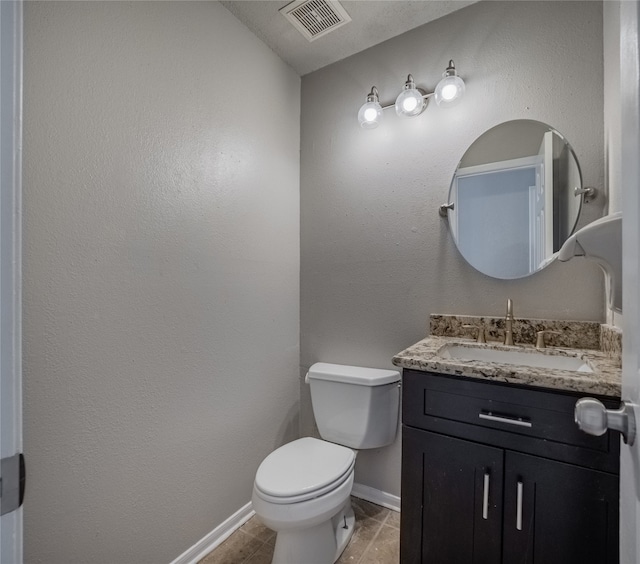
[(430, 401)]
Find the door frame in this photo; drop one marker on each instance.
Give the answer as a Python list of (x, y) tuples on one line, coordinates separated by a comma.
[(630, 178), (11, 25)]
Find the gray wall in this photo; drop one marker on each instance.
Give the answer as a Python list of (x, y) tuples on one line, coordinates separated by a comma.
[(376, 257), (612, 118), (161, 260)]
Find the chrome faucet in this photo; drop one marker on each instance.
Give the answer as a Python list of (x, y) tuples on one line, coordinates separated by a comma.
[(508, 323)]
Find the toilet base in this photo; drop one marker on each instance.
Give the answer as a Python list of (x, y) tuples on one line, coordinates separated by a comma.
[(320, 544), (345, 525)]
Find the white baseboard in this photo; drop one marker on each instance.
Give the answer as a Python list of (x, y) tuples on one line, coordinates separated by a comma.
[(376, 496), (216, 537)]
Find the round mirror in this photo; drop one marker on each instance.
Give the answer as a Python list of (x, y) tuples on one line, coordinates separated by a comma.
[(514, 199)]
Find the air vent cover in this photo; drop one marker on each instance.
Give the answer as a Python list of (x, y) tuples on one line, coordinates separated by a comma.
[(315, 18)]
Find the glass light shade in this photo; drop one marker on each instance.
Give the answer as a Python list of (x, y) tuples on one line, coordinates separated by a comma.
[(449, 91), (409, 102), (370, 114)]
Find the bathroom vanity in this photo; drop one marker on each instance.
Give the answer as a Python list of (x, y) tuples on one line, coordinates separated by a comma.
[(494, 468)]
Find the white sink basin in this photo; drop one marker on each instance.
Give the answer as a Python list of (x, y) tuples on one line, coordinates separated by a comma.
[(524, 357)]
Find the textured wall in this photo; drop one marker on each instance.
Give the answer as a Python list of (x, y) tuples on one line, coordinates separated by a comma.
[(376, 257), (612, 117), (161, 260)]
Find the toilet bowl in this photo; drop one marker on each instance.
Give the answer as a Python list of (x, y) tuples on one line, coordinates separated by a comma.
[(306, 501), (302, 489)]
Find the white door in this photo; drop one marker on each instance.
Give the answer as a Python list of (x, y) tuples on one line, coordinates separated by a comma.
[(10, 330), (546, 189), (540, 216), (630, 175)]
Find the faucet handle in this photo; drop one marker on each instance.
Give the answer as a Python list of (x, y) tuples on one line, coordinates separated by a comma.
[(540, 344), (482, 335)]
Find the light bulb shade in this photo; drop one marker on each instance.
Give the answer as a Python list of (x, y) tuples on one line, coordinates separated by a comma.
[(410, 101), (449, 90), (370, 114)]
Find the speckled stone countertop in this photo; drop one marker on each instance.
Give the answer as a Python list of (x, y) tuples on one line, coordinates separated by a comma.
[(566, 334), (605, 379)]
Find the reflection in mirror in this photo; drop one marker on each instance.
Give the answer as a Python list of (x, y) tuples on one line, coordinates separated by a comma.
[(514, 201)]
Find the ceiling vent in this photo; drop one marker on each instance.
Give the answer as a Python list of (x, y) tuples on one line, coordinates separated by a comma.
[(315, 18)]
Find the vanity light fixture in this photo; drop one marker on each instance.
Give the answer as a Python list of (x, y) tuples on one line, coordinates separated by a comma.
[(411, 101), (370, 113), (450, 89)]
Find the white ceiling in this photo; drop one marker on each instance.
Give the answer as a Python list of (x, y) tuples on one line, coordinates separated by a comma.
[(373, 21)]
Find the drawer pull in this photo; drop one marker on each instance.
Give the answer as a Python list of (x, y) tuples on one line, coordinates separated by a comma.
[(501, 419), (519, 507), (485, 497)]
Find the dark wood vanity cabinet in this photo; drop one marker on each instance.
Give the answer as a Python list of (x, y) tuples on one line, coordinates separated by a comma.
[(495, 473)]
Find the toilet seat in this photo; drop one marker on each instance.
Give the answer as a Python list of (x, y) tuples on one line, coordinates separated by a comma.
[(302, 470)]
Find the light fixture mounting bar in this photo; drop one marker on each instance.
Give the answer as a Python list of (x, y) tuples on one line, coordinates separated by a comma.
[(393, 104)]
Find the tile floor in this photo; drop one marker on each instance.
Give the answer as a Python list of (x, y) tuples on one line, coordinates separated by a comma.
[(376, 540)]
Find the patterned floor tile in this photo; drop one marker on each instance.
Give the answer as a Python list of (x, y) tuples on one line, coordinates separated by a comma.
[(235, 550), (375, 540)]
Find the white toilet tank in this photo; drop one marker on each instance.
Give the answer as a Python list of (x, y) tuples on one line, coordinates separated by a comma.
[(354, 406)]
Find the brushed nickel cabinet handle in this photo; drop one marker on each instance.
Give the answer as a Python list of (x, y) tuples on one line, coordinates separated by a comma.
[(519, 507), (501, 419), (485, 496)]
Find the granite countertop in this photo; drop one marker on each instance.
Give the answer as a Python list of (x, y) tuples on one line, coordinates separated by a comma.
[(605, 380)]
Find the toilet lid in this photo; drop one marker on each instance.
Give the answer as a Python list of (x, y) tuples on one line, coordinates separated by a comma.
[(302, 468)]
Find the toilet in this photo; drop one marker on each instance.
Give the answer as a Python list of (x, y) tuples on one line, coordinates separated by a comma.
[(302, 489)]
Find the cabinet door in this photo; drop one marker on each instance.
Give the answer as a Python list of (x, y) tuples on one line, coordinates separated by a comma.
[(557, 513), (451, 500)]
